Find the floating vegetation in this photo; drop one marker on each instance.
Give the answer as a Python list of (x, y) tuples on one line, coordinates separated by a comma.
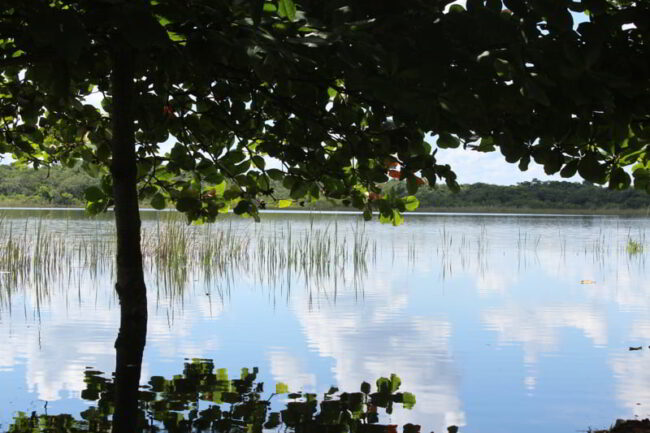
[(633, 247)]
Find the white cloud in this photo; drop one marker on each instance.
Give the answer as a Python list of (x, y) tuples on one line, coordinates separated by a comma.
[(633, 382), (472, 167), (538, 328), (290, 370), (379, 338)]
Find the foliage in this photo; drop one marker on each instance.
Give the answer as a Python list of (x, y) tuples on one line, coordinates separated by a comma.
[(202, 399), (54, 185), (340, 94), (62, 186)]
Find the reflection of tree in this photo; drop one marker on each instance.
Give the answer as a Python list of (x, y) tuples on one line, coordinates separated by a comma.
[(205, 399)]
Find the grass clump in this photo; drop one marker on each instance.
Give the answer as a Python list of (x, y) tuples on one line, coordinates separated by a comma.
[(633, 247)]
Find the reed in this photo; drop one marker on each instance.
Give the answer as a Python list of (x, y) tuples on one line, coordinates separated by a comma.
[(273, 254)]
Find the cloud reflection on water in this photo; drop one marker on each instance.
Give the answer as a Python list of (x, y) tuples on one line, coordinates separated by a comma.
[(528, 297)]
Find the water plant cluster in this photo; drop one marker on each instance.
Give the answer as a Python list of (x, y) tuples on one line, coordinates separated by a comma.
[(176, 254)]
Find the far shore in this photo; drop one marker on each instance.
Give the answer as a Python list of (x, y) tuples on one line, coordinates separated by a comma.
[(424, 210)]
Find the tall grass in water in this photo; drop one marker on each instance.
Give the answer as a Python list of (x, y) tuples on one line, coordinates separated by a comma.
[(275, 255), (177, 255), (173, 251)]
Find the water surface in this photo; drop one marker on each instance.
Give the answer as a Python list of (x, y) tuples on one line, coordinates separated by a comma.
[(497, 323)]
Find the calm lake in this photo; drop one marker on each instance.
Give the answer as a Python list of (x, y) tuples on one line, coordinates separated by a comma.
[(496, 323)]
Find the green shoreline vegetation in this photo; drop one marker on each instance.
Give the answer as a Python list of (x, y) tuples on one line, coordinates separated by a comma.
[(64, 187)]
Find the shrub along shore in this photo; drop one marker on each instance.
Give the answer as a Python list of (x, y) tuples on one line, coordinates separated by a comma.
[(64, 187)]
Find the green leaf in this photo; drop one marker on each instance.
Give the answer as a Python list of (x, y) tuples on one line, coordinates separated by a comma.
[(383, 385), (158, 201), (287, 8), (263, 182), (553, 163), (281, 388), (259, 162), (284, 203), (299, 189), (486, 145), (447, 141), (95, 207), (244, 206), (408, 400), (570, 169), (590, 169), (619, 179), (186, 204), (220, 188), (94, 193), (332, 390), (411, 203), (398, 219), (365, 388), (257, 6), (275, 174), (395, 382)]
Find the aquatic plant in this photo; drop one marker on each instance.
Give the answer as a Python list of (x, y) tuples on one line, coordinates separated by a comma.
[(176, 254), (633, 247)]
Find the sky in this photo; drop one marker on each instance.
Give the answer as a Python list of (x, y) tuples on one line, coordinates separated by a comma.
[(472, 166)]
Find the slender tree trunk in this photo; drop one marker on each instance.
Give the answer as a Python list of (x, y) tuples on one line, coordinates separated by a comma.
[(130, 286)]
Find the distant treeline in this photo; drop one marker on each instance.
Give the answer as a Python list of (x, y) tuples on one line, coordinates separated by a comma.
[(535, 195), (58, 186), (53, 186)]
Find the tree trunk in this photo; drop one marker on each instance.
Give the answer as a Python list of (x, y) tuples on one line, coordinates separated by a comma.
[(130, 286)]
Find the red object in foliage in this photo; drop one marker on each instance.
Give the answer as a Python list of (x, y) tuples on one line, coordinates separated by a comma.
[(373, 196), (391, 428), (394, 174), (389, 163), (167, 110), (419, 181)]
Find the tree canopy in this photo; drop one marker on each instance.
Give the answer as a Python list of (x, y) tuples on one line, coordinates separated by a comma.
[(343, 95)]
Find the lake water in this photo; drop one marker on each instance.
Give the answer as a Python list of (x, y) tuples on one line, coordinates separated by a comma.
[(496, 323)]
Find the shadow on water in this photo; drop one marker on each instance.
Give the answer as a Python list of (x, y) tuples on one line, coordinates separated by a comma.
[(203, 399)]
